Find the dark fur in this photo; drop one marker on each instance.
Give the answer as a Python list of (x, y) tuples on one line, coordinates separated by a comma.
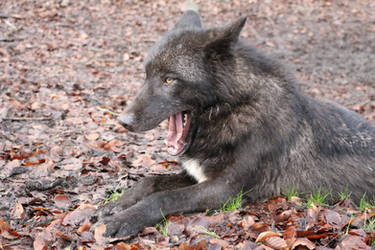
[(252, 129)]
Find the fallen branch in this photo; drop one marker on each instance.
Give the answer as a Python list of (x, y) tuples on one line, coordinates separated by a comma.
[(108, 111)]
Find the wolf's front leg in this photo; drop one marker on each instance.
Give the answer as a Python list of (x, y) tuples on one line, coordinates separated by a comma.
[(147, 212), (141, 190)]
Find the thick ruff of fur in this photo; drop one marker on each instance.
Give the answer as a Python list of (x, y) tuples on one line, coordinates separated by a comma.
[(250, 129)]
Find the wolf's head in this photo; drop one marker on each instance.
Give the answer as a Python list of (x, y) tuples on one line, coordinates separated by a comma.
[(179, 81)]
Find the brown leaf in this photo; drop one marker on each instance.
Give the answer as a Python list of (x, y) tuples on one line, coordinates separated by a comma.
[(263, 236), (73, 164), (151, 230), (303, 242), (260, 227), (87, 237), (312, 216), (297, 201), (290, 235), (175, 228), (359, 220), (13, 164), (83, 228), (92, 136), (6, 231), (18, 212), (275, 243), (64, 236), (246, 245), (35, 105), (114, 145), (222, 243), (98, 234), (353, 242), (247, 222), (330, 217), (40, 244), (62, 201), (122, 246), (82, 214), (284, 215), (144, 160), (201, 245)]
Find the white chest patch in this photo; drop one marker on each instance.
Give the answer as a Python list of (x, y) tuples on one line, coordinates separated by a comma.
[(194, 169)]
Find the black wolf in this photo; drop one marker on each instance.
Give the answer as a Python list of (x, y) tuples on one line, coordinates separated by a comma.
[(237, 121)]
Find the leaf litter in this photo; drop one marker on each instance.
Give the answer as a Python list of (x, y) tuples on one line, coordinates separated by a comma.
[(69, 67)]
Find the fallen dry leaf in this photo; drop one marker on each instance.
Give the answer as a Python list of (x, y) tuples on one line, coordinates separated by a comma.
[(83, 228), (98, 234), (247, 221), (264, 235), (18, 211), (290, 235), (6, 231), (275, 242), (114, 145), (352, 242), (92, 136), (76, 217), (303, 242), (62, 201), (40, 244), (260, 227)]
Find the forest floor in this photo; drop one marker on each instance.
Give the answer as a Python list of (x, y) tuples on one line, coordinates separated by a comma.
[(64, 63)]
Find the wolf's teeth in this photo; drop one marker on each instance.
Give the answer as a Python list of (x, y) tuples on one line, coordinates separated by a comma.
[(185, 119)]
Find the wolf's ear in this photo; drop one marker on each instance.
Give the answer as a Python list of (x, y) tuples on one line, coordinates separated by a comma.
[(220, 39), (190, 18)]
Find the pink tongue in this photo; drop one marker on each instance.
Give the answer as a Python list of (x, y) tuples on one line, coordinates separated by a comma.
[(175, 130)]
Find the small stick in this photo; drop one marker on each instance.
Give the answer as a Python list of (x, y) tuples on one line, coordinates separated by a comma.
[(10, 24), (108, 111), (27, 118)]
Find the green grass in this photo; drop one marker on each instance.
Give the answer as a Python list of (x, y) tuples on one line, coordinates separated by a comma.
[(369, 225), (163, 225), (317, 198), (114, 195), (209, 233), (233, 203), (345, 195), (291, 193), (365, 204)]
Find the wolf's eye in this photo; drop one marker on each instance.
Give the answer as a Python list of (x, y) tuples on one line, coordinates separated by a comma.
[(168, 80)]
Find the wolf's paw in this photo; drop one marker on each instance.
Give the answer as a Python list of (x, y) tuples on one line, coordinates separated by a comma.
[(116, 207), (120, 225), (117, 227)]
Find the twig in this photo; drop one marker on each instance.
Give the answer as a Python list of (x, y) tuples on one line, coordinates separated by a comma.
[(16, 16), (108, 111), (10, 24), (27, 118), (10, 40)]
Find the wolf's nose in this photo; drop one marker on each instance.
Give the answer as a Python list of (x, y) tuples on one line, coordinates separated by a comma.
[(126, 120)]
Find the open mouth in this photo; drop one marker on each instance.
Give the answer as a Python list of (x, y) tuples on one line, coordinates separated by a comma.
[(178, 128)]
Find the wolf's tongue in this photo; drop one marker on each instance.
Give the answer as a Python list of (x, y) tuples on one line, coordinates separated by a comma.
[(175, 132)]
